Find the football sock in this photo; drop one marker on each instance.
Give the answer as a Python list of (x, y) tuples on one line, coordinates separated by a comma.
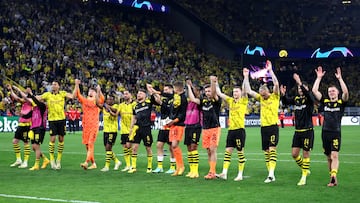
[(160, 160), (172, 163), (305, 166), (333, 172), (195, 161), (178, 157), (212, 166), (242, 160), (267, 159), (133, 160), (51, 151), (227, 161), (127, 156), (60, 151), (17, 151), (108, 156), (149, 161), (26, 152), (272, 162), (299, 161)]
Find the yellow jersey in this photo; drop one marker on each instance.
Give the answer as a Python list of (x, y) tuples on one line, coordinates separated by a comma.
[(269, 109), (126, 113), (237, 112), (56, 105), (110, 121)]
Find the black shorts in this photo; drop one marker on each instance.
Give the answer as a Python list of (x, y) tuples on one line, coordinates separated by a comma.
[(109, 138), (21, 133), (303, 139), (144, 134), (269, 136), (192, 135), (163, 136), (39, 134), (124, 139), (236, 138), (331, 141), (57, 127)]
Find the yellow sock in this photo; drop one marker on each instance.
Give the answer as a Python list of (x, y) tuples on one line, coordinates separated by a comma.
[(133, 160), (108, 158), (241, 157), (17, 151), (149, 159), (37, 163), (299, 161), (305, 166), (333, 172), (195, 161), (51, 151), (26, 152), (60, 151)]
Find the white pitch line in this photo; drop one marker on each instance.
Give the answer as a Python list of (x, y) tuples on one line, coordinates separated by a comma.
[(44, 199)]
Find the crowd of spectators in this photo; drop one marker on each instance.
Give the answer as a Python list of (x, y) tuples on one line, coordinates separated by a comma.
[(43, 40), (279, 24)]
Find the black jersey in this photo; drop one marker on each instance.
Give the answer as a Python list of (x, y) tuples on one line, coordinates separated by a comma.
[(303, 107), (333, 112), (178, 108), (142, 112), (166, 105), (211, 112)]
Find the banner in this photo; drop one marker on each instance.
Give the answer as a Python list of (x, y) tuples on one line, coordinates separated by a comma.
[(10, 124)]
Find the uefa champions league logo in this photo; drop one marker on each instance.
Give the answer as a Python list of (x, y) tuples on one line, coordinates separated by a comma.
[(343, 50), (257, 49), (147, 4)]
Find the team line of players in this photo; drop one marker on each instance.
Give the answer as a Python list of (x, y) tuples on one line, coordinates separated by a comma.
[(188, 116)]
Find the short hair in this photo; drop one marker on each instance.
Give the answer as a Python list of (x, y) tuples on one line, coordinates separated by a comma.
[(57, 81), (332, 85), (179, 84), (142, 90), (264, 87), (169, 85), (237, 86), (206, 86)]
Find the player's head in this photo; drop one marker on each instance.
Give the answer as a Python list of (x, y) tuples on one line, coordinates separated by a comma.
[(333, 92), (178, 87), (264, 91), (55, 86), (207, 90), (237, 92), (92, 92), (141, 95), (168, 89), (109, 99), (127, 95)]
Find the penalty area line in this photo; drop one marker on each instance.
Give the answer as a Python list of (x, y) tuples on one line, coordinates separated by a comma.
[(44, 199)]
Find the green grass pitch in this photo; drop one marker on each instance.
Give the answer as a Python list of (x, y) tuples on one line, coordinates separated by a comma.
[(73, 184)]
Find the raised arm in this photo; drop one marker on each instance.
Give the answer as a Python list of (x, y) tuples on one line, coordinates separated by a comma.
[(247, 87), (213, 82), (191, 94), (154, 93), (244, 90), (319, 74), (12, 94), (344, 89), (269, 68), (218, 91)]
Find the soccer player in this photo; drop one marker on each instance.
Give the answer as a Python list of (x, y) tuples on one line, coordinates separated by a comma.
[(125, 110), (90, 122), (193, 130), (110, 133), (164, 101), (269, 105), (177, 125), (210, 105), (304, 133), (140, 129), (55, 101), (333, 112), (37, 128), (21, 132), (236, 132)]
